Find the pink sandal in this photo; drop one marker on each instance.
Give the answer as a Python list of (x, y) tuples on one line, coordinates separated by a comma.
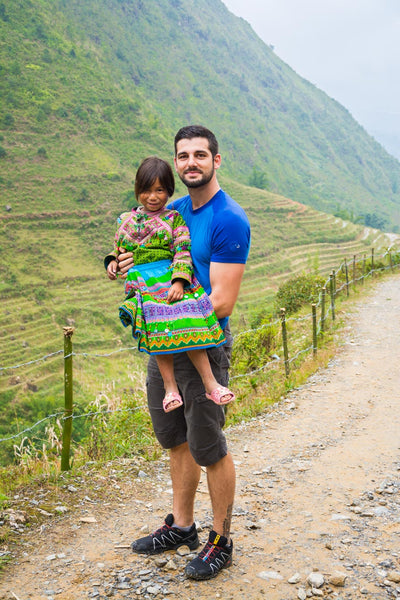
[(219, 394), (171, 401)]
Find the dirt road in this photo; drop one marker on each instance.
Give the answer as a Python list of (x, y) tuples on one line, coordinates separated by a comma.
[(318, 492)]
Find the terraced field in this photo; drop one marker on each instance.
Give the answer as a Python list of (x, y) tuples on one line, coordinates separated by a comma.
[(290, 238), (52, 276)]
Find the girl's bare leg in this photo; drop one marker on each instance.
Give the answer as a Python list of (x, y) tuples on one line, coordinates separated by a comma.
[(202, 365), (165, 364)]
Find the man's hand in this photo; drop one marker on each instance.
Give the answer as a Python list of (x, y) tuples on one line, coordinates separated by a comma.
[(125, 262), (112, 269), (175, 292)]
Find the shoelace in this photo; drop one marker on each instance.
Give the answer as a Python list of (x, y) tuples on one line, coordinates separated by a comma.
[(208, 551), (162, 529)]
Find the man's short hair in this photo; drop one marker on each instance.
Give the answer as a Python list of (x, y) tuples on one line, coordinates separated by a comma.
[(193, 131)]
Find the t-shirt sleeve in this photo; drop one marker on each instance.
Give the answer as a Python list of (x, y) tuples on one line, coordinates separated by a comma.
[(231, 238)]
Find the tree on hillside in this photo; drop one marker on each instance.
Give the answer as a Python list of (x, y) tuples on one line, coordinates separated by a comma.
[(258, 179), (375, 221), (348, 215)]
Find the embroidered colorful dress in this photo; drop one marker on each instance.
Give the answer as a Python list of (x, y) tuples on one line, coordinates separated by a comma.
[(160, 243)]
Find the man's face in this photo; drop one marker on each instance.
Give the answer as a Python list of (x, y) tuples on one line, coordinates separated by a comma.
[(194, 162)]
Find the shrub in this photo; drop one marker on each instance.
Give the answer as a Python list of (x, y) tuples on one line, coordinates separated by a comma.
[(84, 195), (8, 120), (40, 293), (2, 152), (3, 15), (113, 176), (129, 200), (42, 152), (298, 291), (258, 179), (119, 427), (254, 348)]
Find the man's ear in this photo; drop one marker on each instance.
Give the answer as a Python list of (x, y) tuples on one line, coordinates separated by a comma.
[(217, 161)]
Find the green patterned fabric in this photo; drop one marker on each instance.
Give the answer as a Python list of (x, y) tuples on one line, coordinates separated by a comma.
[(161, 327)]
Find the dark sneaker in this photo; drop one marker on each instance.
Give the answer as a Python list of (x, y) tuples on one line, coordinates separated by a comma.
[(216, 555), (166, 538)]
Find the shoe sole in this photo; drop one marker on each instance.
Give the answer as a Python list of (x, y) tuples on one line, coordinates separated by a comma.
[(200, 577)]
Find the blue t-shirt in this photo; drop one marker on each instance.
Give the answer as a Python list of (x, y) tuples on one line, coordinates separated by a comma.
[(220, 232)]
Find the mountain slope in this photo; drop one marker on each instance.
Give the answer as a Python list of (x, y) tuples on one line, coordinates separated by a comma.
[(98, 84)]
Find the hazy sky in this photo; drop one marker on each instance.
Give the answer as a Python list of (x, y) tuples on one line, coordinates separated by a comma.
[(350, 49)]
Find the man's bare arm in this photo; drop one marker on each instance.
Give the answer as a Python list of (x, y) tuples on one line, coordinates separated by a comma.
[(225, 279)]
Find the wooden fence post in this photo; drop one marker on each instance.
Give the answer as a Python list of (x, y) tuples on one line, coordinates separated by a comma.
[(284, 341), (346, 270), (334, 282), (372, 261), (363, 269), (68, 399), (390, 261), (314, 324), (332, 292), (354, 270), (323, 300)]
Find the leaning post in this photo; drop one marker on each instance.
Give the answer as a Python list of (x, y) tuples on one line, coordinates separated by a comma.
[(68, 399), (346, 269), (372, 261), (363, 269), (323, 302), (284, 341), (314, 326), (332, 292)]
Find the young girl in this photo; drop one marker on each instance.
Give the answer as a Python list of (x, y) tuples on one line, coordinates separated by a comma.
[(166, 307)]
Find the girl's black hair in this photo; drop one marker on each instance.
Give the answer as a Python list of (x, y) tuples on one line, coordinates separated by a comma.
[(150, 169)]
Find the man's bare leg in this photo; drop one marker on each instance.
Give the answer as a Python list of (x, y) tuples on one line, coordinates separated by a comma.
[(221, 485), (185, 475)]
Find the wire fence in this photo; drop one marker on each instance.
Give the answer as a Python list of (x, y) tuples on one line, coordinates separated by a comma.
[(325, 303)]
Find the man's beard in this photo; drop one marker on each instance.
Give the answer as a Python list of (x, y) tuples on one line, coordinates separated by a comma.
[(204, 179)]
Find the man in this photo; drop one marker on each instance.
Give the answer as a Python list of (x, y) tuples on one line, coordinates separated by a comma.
[(220, 235)]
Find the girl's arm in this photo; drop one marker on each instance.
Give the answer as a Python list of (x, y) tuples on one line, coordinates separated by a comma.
[(119, 260), (175, 292)]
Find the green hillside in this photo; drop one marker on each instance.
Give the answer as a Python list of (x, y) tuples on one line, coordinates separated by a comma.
[(88, 87)]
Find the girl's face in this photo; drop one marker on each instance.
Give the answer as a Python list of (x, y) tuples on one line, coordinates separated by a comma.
[(155, 198)]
